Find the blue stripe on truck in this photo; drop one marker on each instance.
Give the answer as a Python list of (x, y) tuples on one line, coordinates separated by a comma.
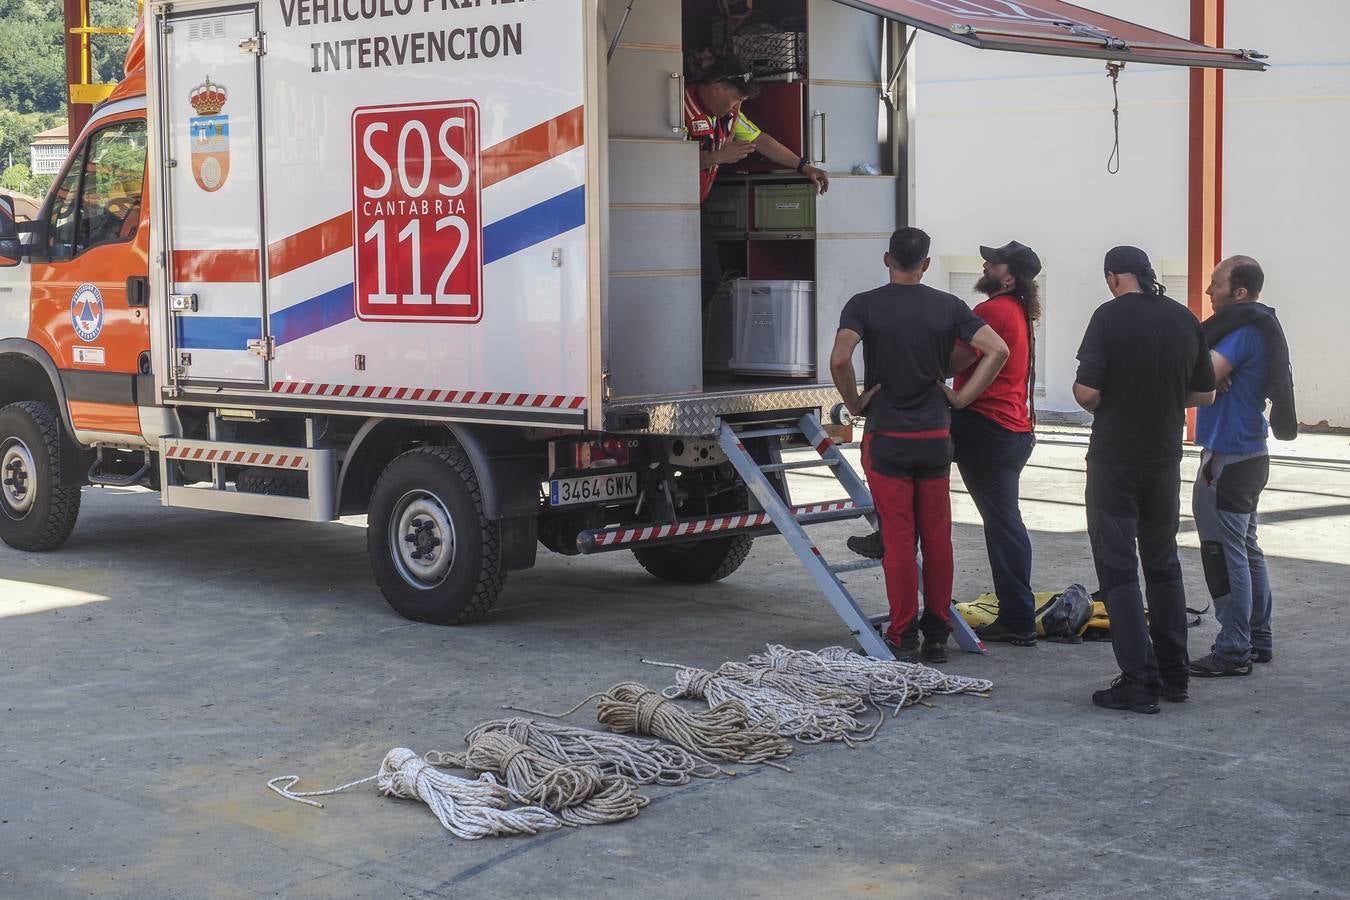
[(314, 315), (534, 225), (216, 332)]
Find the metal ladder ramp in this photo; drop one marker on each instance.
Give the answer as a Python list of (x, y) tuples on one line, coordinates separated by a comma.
[(790, 524)]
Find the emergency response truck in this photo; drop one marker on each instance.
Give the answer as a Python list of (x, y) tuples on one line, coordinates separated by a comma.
[(438, 262)]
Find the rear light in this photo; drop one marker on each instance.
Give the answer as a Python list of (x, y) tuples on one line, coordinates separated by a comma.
[(608, 453)]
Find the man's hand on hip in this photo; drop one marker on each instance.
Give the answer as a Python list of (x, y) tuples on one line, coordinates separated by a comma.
[(859, 405)]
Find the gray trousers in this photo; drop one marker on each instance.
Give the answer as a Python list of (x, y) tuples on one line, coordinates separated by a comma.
[(1224, 501)]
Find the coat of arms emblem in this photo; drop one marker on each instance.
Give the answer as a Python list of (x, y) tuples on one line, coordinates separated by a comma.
[(210, 135)]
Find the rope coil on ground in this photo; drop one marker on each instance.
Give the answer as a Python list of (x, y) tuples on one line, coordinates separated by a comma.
[(805, 721), (886, 682), (723, 733), (577, 793), (642, 760), (795, 686), (467, 809)]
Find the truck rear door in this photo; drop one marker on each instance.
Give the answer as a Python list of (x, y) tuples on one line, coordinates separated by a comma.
[(209, 97)]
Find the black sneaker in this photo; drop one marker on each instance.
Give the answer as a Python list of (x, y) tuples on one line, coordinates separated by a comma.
[(1176, 691), (934, 651), (1125, 694), (1262, 656), (1215, 666), (905, 651), (997, 633), (868, 546)]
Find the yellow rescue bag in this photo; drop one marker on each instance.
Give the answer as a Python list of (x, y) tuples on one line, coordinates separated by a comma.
[(1063, 614)]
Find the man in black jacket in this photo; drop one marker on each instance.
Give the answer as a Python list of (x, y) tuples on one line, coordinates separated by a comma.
[(1251, 363)]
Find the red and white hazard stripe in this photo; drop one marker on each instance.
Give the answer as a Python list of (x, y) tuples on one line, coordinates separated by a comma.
[(264, 458), (695, 527), (429, 395)]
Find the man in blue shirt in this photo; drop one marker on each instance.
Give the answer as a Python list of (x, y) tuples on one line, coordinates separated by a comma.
[(1234, 468)]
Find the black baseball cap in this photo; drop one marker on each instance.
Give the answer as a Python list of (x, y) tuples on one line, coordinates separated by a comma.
[(735, 73), (1127, 261), (1016, 256)]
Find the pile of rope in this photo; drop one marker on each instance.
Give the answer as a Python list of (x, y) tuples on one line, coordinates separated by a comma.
[(795, 686), (885, 682), (577, 793), (575, 776), (641, 760), (467, 809), (723, 733), (805, 720)]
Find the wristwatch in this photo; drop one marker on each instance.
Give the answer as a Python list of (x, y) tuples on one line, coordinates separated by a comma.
[(801, 165)]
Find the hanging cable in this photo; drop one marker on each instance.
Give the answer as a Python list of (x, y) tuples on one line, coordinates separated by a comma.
[(1113, 70)]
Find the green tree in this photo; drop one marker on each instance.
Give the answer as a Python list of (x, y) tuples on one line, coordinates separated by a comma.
[(32, 51), (17, 130), (15, 178), (19, 180)]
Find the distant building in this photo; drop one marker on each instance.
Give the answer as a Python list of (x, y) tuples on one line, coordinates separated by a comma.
[(48, 151)]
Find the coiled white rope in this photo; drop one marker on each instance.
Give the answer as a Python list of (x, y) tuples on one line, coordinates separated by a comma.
[(577, 793), (467, 809), (795, 686), (641, 759), (803, 720), (723, 733), (886, 683)]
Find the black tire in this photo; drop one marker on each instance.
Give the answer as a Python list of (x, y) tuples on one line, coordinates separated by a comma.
[(702, 562), (37, 512), (272, 482), (425, 495)]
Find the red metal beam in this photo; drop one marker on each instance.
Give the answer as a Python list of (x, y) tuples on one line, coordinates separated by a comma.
[(1206, 163), (79, 64)]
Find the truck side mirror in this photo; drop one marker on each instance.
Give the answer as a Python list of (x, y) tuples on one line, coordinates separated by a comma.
[(11, 249)]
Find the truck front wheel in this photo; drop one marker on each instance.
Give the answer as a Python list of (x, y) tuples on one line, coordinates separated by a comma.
[(435, 556), (37, 512)]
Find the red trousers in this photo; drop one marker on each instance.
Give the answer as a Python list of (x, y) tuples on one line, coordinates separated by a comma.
[(910, 479)]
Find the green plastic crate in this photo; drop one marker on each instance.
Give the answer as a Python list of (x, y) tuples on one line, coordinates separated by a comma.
[(725, 208), (785, 207)]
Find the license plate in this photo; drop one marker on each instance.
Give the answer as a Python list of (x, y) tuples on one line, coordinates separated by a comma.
[(593, 489)]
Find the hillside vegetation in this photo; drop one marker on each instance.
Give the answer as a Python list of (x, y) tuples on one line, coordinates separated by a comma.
[(33, 76)]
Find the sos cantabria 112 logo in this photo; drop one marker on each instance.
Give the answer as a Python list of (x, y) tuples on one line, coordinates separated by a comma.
[(210, 135), (86, 312)]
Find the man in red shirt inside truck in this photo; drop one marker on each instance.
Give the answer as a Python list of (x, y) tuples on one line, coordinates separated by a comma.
[(713, 117)]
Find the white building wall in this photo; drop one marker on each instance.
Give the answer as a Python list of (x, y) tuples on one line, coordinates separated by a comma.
[(1011, 146)]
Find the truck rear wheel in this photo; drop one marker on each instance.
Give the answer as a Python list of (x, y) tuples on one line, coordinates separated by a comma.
[(698, 563), (436, 557), (37, 512)]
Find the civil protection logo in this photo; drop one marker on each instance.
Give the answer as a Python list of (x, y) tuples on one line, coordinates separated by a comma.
[(86, 312), (210, 135)]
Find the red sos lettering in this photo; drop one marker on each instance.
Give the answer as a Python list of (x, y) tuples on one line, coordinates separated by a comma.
[(417, 212)]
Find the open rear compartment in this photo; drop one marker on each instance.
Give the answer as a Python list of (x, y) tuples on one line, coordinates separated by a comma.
[(789, 259)]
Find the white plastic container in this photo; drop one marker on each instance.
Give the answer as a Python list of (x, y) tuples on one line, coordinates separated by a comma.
[(772, 332)]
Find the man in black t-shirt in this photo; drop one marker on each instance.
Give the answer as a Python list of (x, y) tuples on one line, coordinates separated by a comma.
[(908, 332), (1143, 361)]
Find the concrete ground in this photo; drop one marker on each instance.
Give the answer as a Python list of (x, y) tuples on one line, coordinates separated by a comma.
[(162, 666)]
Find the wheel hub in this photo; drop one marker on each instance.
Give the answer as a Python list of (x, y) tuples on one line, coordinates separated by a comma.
[(18, 477), (422, 539)]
